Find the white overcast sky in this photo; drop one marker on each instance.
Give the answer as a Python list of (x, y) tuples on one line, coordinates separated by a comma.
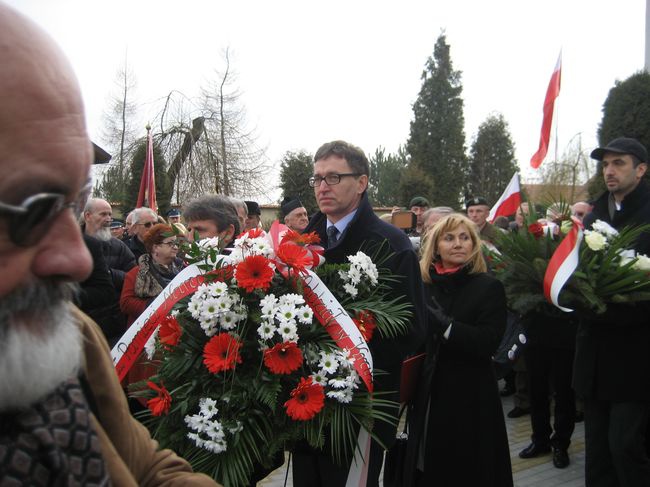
[(311, 72)]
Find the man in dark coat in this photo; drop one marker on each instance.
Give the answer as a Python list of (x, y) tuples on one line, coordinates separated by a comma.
[(612, 363), (346, 224)]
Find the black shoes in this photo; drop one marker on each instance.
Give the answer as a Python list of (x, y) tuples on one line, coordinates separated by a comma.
[(560, 458), (518, 412), (534, 450)]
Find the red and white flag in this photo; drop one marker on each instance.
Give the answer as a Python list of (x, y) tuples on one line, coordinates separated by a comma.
[(552, 93), (147, 193), (564, 261), (509, 200)]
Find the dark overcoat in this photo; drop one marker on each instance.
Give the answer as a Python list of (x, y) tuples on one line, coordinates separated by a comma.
[(368, 233), (612, 360), (465, 442)]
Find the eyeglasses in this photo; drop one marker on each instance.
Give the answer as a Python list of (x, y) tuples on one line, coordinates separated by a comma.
[(171, 244), (330, 179), (33, 218), (147, 225)]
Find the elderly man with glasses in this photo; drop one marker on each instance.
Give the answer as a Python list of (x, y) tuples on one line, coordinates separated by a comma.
[(64, 419), (143, 220)]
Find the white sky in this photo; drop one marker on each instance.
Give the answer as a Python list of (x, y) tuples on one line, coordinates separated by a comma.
[(312, 72)]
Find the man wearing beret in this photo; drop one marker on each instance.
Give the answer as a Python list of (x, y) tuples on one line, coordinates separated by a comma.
[(294, 214), (418, 206), (478, 211), (254, 215), (612, 362)]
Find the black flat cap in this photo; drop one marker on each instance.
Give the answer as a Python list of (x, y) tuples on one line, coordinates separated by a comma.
[(253, 208), (622, 145), (289, 204)]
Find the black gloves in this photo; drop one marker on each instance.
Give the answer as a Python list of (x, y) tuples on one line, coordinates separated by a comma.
[(438, 320)]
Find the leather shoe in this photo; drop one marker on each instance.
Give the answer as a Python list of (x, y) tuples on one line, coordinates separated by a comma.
[(518, 412), (533, 450), (560, 458)]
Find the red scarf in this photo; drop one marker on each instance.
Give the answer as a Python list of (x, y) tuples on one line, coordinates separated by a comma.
[(440, 270)]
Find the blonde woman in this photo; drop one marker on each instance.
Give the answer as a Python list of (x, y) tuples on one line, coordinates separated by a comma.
[(457, 433)]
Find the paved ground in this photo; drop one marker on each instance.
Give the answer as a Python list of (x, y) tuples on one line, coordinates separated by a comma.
[(535, 472)]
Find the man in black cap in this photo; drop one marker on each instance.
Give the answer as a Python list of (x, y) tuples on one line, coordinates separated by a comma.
[(418, 206), (254, 215), (294, 214), (612, 363), (478, 210)]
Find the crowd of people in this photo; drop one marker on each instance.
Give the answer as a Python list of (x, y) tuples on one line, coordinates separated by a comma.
[(64, 417)]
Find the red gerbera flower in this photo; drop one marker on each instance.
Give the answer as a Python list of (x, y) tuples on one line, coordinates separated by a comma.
[(283, 358), (170, 332), (300, 238), (254, 272), (536, 229), (307, 399), (221, 353), (159, 405), (294, 256), (366, 323)]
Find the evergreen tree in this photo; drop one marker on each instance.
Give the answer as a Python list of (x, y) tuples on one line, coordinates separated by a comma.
[(626, 113), (295, 170), (163, 188), (414, 182), (492, 159), (385, 173), (437, 140)]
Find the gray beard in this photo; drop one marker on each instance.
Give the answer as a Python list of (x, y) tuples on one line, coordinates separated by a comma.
[(103, 234), (40, 343)]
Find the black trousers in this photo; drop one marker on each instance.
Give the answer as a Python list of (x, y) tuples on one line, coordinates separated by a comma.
[(315, 468), (615, 444), (549, 371)]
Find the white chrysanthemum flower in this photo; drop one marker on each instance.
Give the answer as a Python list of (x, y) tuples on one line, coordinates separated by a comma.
[(209, 243), (209, 327), (228, 320), (319, 378), (328, 362), (354, 275), (286, 312), (343, 396), (291, 299), (305, 314), (642, 263), (210, 307), (338, 382), (218, 288), (266, 331), (595, 241), (604, 228), (215, 431), (268, 302), (208, 407), (197, 422), (215, 446), (351, 290), (288, 331)]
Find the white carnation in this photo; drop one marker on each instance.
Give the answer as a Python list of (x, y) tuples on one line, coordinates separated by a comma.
[(642, 263), (604, 228), (595, 241)]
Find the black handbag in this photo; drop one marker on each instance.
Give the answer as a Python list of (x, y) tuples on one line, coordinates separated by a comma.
[(396, 457)]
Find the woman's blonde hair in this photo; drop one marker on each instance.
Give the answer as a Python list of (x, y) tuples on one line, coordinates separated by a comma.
[(450, 223)]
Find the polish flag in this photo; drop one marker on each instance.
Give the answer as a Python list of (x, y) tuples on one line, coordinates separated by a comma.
[(509, 200), (147, 193), (552, 93)]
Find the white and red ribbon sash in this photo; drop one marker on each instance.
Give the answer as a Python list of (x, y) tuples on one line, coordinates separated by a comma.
[(563, 263), (128, 348)]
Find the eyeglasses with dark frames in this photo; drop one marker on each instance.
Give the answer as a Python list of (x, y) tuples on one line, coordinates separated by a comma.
[(171, 244), (147, 225), (32, 219), (330, 179)]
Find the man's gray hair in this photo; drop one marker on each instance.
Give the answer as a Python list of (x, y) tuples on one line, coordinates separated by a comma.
[(139, 213), (239, 204), (216, 208), (438, 210)]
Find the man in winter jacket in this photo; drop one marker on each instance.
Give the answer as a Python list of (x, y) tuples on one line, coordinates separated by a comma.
[(612, 363)]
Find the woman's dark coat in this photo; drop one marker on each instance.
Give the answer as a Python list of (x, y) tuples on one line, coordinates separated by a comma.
[(466, 439)]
